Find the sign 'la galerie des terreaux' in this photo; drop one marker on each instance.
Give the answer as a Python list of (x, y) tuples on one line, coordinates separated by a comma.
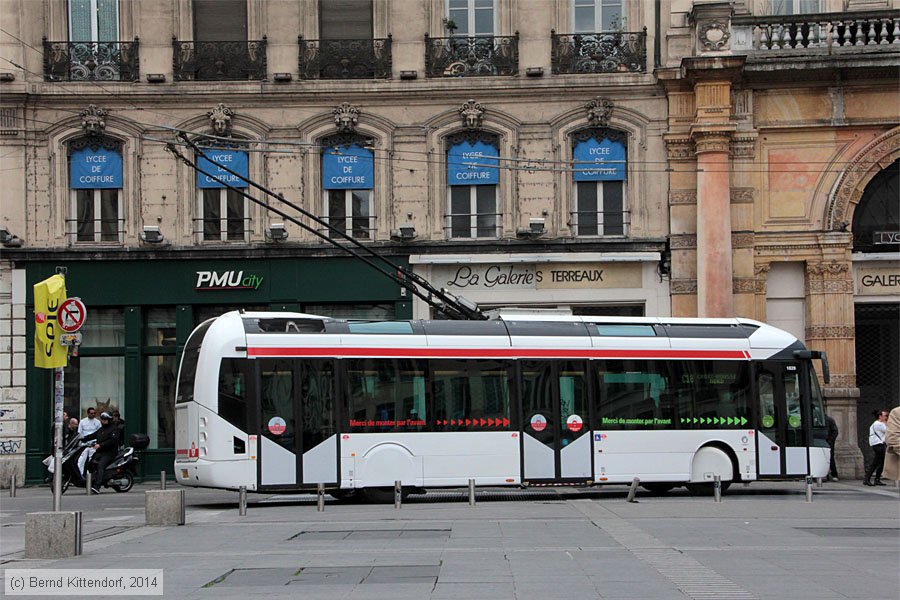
[(232, 159), (95, 169), (540, 277), (348, 168)]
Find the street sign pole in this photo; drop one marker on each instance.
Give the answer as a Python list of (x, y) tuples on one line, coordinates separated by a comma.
[(58, 391)]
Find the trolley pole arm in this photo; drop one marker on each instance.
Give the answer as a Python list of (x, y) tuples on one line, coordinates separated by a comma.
[(447, 309), (457, 308)]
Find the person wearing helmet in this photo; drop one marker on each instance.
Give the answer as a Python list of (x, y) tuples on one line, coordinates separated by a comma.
[(108, 440)]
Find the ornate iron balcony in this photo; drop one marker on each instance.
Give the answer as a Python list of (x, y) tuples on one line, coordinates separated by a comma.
[(219, 61), (91, 61), (602, 52), (823, 32), (345, 59), (471, 56)]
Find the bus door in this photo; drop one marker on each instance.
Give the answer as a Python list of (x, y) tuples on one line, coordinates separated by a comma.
[(556, 443), (297, 437), (781, 438)]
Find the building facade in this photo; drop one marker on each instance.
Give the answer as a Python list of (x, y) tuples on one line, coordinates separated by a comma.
[(669, 158)]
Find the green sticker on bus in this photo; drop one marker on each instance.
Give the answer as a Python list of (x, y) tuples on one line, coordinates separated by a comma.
[(768, 421), (794, 421)]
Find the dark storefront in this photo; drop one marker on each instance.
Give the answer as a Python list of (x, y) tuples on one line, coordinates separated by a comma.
[(141, 312)]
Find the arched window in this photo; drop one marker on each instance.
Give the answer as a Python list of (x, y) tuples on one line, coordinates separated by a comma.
[(876, 222), (348, 181), (222, 213), (95, 184), (472, 180), (599, 178)]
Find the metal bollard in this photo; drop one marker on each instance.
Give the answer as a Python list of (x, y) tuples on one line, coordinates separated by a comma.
[(819, 482), (809, 489), (398, 494), (12, 485), (87, 486), (471, 492), (162, 480), (320, 497), (242, 501), (717, 488), (633, 489)]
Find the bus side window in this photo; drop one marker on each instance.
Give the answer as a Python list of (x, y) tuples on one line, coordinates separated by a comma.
[(766, 390)]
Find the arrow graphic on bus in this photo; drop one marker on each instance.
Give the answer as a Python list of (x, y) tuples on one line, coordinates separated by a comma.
[(714, 421), (476, 422)]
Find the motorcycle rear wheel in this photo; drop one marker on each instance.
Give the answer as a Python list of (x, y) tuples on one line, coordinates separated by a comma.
[(129, 481)]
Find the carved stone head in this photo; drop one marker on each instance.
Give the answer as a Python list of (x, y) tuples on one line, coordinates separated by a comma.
[(598, 111), (472, 114), (220, 119), (346, 117), (93, 120)]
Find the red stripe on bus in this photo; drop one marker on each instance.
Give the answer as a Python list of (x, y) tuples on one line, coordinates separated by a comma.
[(495, 353)]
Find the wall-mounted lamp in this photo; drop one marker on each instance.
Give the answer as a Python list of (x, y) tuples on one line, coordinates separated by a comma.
[(156, 78), (152, 235), (408, 74), (534, 71), (535, 229), (6, 77), (276, 232), (9, 240), (282, 77), (404, 233)]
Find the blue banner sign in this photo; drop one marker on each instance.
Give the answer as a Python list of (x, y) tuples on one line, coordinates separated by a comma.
[(348, 168), (473, 164), (232, 159), (607, 160), (95, 169)]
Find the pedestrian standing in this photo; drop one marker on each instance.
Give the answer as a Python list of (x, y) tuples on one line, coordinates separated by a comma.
[(89, 425), (892, 446), (831, 437), (877, 433)]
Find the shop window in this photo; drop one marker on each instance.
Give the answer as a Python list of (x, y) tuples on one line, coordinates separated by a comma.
[(93, 20), (95, 184), (95, 382), (345, 19), (159, 327), (104, 328), (348, 180), (367, 312), (161, 374), (472, 180), (472, 17), (223, 212), (204, 313), (593, 16), (599, 178)]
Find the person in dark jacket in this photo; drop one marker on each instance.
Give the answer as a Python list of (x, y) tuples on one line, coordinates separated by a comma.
[(119, 422), (108, 441), (831, 438)]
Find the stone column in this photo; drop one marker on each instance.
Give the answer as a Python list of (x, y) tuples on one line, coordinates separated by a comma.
[(714, 253)]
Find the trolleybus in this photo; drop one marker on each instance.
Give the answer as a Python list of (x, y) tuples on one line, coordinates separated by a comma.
[(287, 401)]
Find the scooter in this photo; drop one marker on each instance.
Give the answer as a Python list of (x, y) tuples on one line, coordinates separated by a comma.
[(119, 475)]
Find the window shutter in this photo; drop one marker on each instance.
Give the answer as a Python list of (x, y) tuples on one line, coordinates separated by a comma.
[(345, 20), (108, 20), (80, 20), (220, 20)]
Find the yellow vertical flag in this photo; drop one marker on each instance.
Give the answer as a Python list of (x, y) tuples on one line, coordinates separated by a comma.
[(48, 296)]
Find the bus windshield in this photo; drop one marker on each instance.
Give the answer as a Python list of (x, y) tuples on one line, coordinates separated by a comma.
[(189, 364)]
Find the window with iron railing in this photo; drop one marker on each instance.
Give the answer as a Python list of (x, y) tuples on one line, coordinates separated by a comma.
[(348, 184), (222, 216), (599, 179), (350, 212), (95, 190)]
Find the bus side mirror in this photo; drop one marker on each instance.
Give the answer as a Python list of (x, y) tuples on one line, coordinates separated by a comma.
[(813, 354)]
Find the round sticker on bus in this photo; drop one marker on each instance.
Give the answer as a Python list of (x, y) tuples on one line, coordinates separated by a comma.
[(768, 421), (574, 423), (538, 422), (277, 425), (794, 421)]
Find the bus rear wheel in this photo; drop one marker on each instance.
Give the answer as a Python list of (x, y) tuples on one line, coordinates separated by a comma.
[(658, 489), (705, 489)]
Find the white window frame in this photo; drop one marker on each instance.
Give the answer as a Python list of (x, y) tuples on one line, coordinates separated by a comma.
[(98, 225), (95, 23), (599, 7), (223, 218), (348, 212), (795, 8), (473, 214), (601, 226), (470, 18)]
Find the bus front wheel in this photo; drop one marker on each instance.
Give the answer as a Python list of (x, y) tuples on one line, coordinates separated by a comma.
[(658, 489)]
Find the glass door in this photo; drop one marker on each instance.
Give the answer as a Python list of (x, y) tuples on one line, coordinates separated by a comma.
[(555, 418), (278, 436), (782, 438)]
